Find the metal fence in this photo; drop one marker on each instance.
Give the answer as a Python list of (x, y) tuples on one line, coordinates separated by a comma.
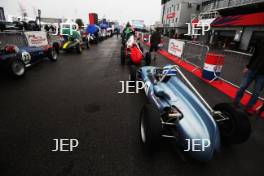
[(165, 41), (233, 66), (232, 70), (195, 53), (14, 38)]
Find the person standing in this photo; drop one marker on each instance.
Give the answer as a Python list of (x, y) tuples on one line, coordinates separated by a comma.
[(117, 32), (155, 40), (253, 72), (127, 32), (47, 28)]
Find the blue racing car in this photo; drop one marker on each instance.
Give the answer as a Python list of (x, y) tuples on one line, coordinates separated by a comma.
[(16, 58), (176, 110)]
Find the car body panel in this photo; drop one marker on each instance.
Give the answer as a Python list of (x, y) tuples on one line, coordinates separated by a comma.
[(197, 121), (36, 53), (28, 55), (70, 45)]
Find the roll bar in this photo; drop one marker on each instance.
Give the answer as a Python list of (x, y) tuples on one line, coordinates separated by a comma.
[(176, 67)]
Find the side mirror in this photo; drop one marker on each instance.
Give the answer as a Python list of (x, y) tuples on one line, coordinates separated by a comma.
[(159, 92)]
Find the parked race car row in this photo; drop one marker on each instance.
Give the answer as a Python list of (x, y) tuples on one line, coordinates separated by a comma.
[(22, 49)]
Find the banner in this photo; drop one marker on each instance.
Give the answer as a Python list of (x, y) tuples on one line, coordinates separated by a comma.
[(176, 47), (253, 19), (171, 15), (36, 38)]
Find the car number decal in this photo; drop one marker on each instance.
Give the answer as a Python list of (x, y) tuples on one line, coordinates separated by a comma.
[(26, 57)]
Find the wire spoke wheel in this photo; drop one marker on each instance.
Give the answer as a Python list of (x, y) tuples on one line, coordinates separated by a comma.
[(18, 68), (143, 130)]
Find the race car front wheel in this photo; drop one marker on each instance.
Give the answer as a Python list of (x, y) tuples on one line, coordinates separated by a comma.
[(88, 44), (56, 46), (17, 69), (150, 128), (79, 49), (236, 129), (53, 55)]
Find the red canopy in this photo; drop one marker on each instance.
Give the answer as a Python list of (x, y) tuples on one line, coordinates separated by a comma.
[(253, 19)]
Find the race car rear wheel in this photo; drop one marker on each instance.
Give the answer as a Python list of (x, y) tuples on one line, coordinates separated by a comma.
[(237, 128), (17, 69), (150, 128), (52, 54), (88, 45), (122, 56)]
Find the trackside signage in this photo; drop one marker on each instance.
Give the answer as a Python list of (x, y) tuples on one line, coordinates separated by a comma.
[(176, 47), (36, 38), (171, 15)]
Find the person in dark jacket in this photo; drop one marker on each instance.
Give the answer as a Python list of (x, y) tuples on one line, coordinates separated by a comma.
[(2, 26), (117, 32), (254, 72), (155, 40)]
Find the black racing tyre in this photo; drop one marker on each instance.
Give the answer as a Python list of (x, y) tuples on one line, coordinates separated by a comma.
[(150, 128), (133, 73), (86, 41), (122, 56), (79, 49), (17, 69), (57, 47), (87, 45), (148, 58), (237, 129), (52, 54)]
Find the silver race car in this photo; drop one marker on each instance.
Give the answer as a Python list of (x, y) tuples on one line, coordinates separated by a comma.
[(176, 110)]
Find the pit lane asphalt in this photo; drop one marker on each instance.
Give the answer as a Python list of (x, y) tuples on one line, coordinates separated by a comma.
[(77, 97)]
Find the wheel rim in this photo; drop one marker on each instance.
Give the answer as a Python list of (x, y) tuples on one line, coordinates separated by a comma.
[(143, 130), (54, 54), (18, 68)]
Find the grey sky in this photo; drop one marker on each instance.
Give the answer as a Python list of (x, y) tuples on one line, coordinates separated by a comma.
[(121, 10)]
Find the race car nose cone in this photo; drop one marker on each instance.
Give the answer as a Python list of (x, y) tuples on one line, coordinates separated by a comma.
[(202, 143)]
